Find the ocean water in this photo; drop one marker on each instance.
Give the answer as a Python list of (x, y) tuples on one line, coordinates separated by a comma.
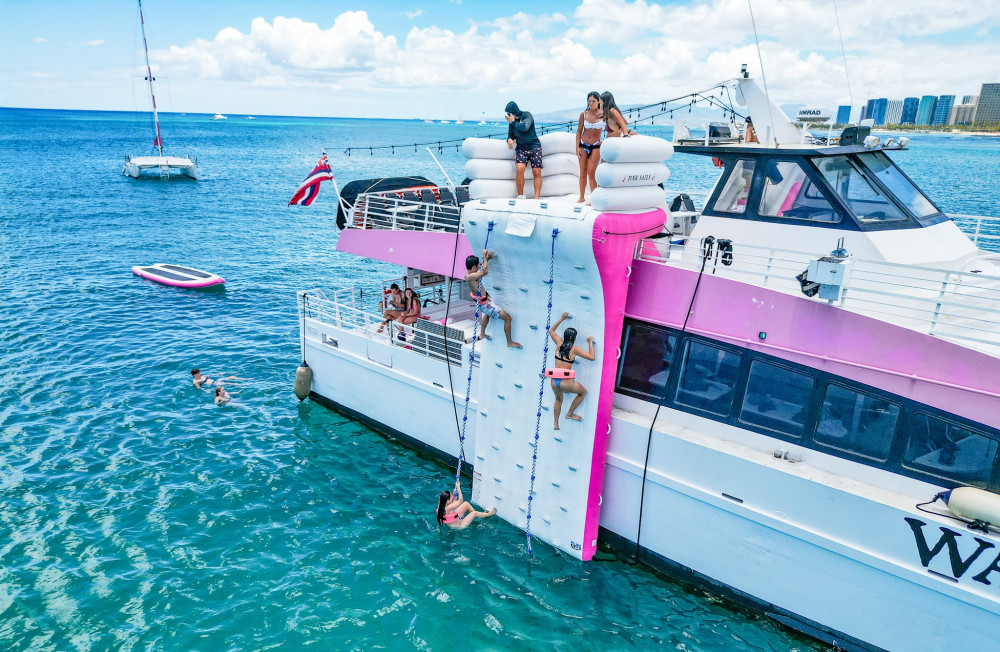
[(136, 514)]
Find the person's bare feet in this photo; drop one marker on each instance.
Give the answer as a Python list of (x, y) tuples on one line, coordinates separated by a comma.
[(574, 417), (556, 427), (514, 345), (493, 510)]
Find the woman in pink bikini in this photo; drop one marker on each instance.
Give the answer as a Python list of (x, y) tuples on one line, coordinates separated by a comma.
[(455, 512)]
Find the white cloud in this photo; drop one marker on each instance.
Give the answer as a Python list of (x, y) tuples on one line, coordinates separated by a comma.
[(640, 50), (93, 43), (40, 39), (415, 13)]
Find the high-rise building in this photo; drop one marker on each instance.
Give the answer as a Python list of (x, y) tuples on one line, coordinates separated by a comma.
[(925, 112), (843, 114), (962, 114), (970, 99), (909, 116), (893, 112), (988, 107), (942, 109), (876, 110)]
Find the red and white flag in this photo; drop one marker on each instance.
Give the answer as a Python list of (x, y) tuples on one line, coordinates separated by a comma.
[(309, 189)]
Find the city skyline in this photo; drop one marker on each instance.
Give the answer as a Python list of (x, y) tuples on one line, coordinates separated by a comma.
[(929, 110)]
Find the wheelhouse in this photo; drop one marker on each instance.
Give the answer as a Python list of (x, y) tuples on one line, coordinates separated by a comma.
[(851, 188)]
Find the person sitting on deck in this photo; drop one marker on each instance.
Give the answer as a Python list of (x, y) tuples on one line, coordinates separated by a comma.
[(566, 355), (474, 276), (522, 138), (202, 382), (398, 305), (411, 300), (455, 512)]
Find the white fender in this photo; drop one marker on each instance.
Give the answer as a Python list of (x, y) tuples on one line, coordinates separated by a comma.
[(616, 175), (969, 502), (636, 149)]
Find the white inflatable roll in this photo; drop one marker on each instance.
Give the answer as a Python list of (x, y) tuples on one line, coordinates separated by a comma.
[(636, 149), (558, 142), (617, 175), (627, 199), (491, 168), (554, 186), (490, 148)]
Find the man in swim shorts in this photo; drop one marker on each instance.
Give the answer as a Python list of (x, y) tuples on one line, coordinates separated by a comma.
[(474, 276), (521, 138)]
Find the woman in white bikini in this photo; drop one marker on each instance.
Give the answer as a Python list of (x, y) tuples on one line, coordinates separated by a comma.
[(457, 513), (588, 141)]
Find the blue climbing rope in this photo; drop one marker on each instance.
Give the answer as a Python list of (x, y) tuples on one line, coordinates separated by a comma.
[(472, 359), (541, 390)]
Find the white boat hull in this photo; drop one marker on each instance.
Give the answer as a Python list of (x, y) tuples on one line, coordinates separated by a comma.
[(160, 166)]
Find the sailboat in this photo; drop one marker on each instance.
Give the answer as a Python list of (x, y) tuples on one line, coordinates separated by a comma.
[(158, 165)]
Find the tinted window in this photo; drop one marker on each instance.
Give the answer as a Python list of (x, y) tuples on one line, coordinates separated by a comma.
[(776, 398), (865, 200), (949, 450), (733, 198), (645, 364), (890, 176), (857, 422), (788, 192), (708, 377)]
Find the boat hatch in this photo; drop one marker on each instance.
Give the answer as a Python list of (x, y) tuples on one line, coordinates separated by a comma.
[(849, 188)]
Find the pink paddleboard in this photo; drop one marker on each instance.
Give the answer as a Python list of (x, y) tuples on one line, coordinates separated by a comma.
[(178, 276)]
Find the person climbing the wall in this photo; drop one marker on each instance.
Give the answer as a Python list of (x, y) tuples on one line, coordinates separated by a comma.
[(521, 138), (563, 381), (474, 277), (455, 512)]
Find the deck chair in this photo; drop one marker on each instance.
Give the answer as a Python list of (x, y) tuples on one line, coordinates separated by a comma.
[(462, 193)]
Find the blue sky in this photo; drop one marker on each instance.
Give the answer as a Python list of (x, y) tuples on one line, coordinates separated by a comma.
[(450, 59)]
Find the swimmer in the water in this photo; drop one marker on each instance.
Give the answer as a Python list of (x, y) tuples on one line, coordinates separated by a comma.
[(202, 382), (221, 395)]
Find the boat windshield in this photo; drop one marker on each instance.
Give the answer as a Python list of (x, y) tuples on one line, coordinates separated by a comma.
[(867, 201), (904, 190)]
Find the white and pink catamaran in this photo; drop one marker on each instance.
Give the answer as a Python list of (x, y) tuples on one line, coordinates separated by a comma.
[(784, 380), (158, 165)]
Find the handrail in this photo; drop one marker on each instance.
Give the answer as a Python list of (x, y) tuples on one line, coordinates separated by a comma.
[(951, 304), (425, 337), (387, 210)]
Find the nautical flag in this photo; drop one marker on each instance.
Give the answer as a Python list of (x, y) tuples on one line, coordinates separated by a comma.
[(309, 189)]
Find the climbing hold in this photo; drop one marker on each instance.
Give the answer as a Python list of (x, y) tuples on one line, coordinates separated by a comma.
[(563, 508), (533, 327), (501, 397), (558, 439), (572, 468), (518, 385), (556, 485), (507, 428), (518, 465), (523, 289), (499, 365), (578, 266), (585, 297), (482, 413)]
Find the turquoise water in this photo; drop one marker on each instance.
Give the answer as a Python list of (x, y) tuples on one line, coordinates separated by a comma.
[(136, 514)]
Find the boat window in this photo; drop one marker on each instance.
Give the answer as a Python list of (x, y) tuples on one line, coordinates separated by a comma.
[(856, 422), (708, 378), (646, 356), (868, 202), (897, 183), (948, 450), (733, 198), (788, 192), (776, 398)]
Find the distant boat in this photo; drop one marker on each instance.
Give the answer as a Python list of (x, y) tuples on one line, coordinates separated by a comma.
[(444, 122), (219, 116), (159, 165), (460, 121), (249, 117), (429, 121)]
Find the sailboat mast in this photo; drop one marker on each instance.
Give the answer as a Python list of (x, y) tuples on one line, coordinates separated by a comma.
[(158, 142)]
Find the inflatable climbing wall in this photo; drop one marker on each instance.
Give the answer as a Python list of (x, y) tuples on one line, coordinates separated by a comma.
[(591, 265)]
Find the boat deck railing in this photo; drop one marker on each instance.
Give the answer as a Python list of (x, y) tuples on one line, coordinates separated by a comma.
[(983, 230), (431, 210), (955, 305), (349, 310)]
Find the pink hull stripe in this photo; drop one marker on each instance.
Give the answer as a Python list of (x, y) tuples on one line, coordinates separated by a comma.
[(920, 367), (427, 250), (178, 284), (615, 237)]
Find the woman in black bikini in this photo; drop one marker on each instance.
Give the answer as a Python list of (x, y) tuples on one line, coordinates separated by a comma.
[(617, 124), (566, 355), (455, 512), (588, 141)]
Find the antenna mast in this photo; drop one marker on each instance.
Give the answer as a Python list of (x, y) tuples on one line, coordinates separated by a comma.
[(158, 141)]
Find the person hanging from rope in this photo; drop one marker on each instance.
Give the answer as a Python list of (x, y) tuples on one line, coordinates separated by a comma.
[(474, 277), (563, 375), (455, 512)]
